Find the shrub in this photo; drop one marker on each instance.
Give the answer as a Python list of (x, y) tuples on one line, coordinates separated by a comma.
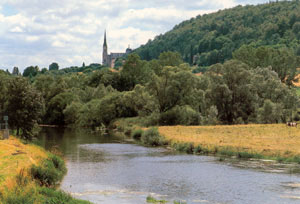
[(152, 137), (184, 147), (188, 116), (180, 115), (58, 163), (50, 172), (169, 118), (137, 134), (197, 149)]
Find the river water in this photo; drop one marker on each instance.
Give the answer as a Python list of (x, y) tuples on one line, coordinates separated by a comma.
[(106, 169)]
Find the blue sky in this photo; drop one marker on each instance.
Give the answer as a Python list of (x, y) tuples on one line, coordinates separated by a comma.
[(39, 32)]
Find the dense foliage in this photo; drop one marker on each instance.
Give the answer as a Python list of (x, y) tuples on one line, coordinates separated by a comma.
[(211, 38), (159, 92)]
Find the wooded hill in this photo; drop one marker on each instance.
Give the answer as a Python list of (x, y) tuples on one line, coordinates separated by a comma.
[(214, 37)]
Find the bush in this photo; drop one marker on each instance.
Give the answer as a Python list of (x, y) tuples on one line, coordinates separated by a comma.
[(50, 172), (152, 137), (188, 116), (169, 118), (59, 163), (180, 115), (137, 134), (184, 147)]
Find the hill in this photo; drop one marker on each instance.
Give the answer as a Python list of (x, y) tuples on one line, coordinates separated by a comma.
[(211, 38)]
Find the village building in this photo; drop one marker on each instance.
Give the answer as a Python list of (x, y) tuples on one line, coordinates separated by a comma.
[(109, 60)]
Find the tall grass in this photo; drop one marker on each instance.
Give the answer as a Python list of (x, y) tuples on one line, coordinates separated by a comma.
[(242, 141)]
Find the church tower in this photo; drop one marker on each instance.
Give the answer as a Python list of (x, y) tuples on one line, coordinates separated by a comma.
[(104, 54)]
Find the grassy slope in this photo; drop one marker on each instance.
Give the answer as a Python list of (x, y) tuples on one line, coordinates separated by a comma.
[(16, 184), (268, 140), (14, 156)]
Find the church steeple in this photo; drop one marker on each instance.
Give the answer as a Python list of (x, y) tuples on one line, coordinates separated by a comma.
[(105, 56), (105, 44)]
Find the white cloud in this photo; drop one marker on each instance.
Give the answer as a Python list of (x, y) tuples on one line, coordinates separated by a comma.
[(16, 29), (71, 32)]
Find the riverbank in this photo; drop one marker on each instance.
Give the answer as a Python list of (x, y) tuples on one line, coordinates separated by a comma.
[(274, 141), (30, 175), (262, 141)]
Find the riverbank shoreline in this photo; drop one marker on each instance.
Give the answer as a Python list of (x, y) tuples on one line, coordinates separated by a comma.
[(255, 141), (30, 174)]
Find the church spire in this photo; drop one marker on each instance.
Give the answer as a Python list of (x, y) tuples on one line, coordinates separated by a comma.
[(105, 44)]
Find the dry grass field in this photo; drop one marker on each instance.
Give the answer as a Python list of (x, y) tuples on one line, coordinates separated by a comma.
[(14, 156), (268, 140)]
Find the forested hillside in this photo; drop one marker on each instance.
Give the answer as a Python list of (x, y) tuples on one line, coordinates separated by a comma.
[(212, 38)]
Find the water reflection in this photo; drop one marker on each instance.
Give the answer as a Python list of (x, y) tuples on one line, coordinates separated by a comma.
[(104, 171)]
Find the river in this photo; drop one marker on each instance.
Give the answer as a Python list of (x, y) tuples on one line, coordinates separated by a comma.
[(106, 169)]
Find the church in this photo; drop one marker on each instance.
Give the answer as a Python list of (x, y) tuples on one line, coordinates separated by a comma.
[(109, 60)]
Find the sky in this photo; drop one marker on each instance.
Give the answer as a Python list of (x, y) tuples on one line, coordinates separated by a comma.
[(70, 32)]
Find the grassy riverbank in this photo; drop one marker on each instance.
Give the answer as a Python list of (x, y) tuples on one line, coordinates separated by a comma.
[(276, 141), (268, 141), (30, 175)]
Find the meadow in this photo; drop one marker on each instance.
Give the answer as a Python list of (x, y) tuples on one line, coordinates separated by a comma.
[(267, 140)]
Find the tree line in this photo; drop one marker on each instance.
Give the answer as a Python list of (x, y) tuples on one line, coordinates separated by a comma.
[(162, 91)]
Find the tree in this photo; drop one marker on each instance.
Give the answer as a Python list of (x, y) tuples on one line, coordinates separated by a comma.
[(269, 113), (3, 91), (44, 70), (53, 66), (283, 61), (175, 86), (31, 71), (57, 106), (134, 72), (231, 91), (170, 59), (24, 107)]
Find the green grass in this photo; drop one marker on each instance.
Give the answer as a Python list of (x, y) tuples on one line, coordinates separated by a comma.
[(150, 199)]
